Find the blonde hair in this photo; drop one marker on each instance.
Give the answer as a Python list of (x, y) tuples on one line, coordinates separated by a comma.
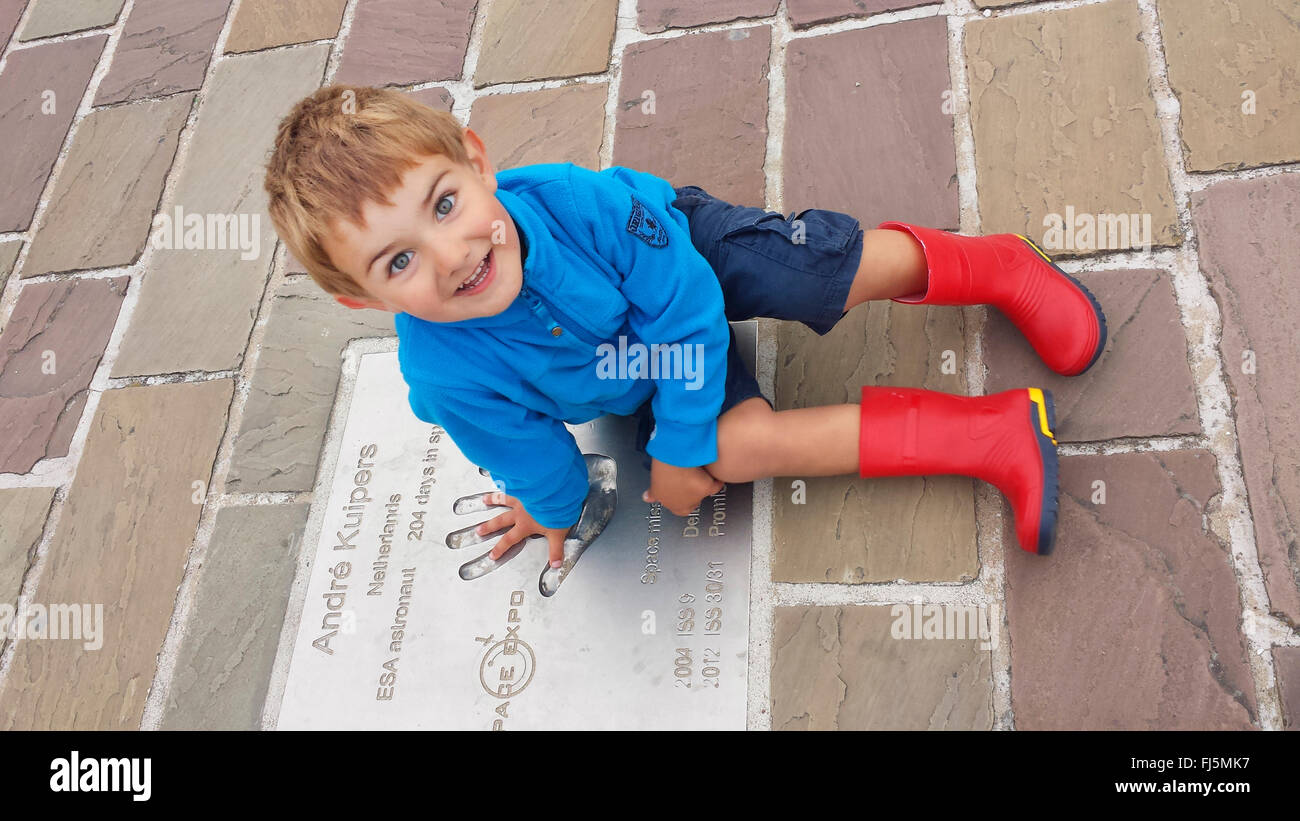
[(339, 148)]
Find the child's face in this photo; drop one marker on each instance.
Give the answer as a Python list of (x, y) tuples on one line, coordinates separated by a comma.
[(415, 255)]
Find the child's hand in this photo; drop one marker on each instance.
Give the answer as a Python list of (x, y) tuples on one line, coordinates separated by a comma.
[(521, 527), (679, 489)]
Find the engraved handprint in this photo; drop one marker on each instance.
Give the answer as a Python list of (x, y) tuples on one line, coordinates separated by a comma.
[(597, 510)]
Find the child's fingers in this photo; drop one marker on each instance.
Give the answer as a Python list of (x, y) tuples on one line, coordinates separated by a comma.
[(499, 498), (508, 540), (556, 541), (497, 522)]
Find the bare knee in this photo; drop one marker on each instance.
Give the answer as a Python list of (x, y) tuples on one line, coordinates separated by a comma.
[(743, 433)]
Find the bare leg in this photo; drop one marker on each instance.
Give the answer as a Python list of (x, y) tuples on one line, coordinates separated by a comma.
[(893, 265), (755, 442)]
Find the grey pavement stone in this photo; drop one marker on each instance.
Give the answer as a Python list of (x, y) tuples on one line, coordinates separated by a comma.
[(866, 131), (1141, 385), (40, 90), (102, 206), (23, 511), (263, 24), (51, 17), (1286, 661), (49, 352), (714, 134), (293, 386), (165, 48), (404, 42), (1134, 621), (549, 125), (10, 12), (225, 660), (525, 41), (1246, 231), (197, 307), (121, 543), (1065, 124), (842, 668), (8, 256)]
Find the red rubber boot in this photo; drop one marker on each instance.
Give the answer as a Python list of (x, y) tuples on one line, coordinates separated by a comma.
[(1005, 439), (1061, 319)]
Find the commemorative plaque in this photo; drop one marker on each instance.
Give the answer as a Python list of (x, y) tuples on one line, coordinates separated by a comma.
[(407, 624)]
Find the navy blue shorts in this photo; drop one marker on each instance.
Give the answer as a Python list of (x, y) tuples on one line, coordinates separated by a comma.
[(797, 268)]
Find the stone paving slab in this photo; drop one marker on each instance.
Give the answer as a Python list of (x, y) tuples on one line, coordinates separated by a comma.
[(659, 15), (293, 386), (712, 135), (10, 13), (549, 125), (804, 13), (51, 17), (866, 131), (8, 256), (841, 668), (1286, 660), (1141, 386), (197, 307), (525, 41), (40, 90), (850, 530), (404, 42), (121, 542), (102, 206), (1238, 94), (263, 24), (1248, 250), (1134, 622), (1063, 128), (49, 352), (165, 49), (23, 511), (224, 665)]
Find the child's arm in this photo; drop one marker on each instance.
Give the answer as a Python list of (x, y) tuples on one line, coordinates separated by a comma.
[(531, 457)]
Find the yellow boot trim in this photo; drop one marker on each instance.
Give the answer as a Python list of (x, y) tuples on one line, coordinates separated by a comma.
[(1036, 396), (1035, 247)]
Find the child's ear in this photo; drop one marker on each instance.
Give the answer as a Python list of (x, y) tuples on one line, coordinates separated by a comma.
[(353, 302)]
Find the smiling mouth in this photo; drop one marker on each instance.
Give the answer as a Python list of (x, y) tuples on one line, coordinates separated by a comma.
[(479, 277)]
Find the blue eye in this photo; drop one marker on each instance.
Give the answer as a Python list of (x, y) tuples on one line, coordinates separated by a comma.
[(450, 195), (401, 267)]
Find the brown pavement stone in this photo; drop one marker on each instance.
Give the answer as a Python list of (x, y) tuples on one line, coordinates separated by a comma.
[(841, 668), (659, 15), (49, 352), (8, 256), (1141, 385), (1065, 123), (224, 664), (549, 125), (293, 386), (1246, 231), (23, 512), (852, 530), (11, 11), (804, 13), (524, 41), (263, 24), (122, 542), (866, 131), (1286, 662), (1233, 68), (404, 42), (165, 48), (197, 307), (40, 89), (1134, 621), (51, 17), (435, 97), (102, 205), (713, 135)]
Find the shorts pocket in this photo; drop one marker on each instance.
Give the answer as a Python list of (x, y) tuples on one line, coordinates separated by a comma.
[(810, 240)]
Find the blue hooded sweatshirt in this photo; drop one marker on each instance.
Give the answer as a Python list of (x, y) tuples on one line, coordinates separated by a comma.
[(605, 255)]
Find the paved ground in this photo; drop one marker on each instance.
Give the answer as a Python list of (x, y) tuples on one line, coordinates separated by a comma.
[(162, 410)]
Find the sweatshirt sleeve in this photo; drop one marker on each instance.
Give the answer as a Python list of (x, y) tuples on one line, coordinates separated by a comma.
[(674, 301), (533, 457)]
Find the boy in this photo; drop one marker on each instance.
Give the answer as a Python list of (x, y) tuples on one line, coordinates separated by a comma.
[(506, 286)]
